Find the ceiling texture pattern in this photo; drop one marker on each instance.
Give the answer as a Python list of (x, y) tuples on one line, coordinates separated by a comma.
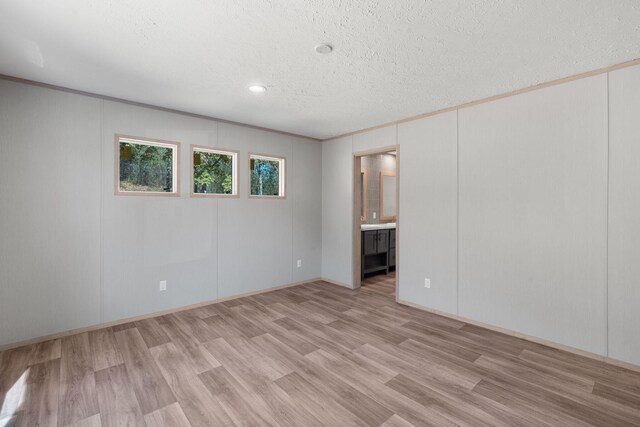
[(391, 59)]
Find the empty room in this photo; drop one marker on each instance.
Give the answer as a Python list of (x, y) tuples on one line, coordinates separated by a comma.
[(319, 213)]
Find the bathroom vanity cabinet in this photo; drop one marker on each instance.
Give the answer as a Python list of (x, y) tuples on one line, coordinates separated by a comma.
[(378, 250)]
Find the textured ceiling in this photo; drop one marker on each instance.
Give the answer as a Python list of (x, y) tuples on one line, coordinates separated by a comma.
[(392, 59)]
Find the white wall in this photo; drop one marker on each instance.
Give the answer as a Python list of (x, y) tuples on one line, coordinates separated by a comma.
[(337, 210), (306, 199), (72, 254), (624, 214), (533, 213), (428, 211), (49, 211), (383, 137), (504, 206)]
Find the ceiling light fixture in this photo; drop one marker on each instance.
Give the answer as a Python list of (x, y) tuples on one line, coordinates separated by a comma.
[(257, 89), (324, 48)]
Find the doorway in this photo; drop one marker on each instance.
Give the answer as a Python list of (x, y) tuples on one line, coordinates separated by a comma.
[(376, 184)]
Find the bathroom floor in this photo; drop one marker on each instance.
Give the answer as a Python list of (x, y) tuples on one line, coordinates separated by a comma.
[(382, 283)]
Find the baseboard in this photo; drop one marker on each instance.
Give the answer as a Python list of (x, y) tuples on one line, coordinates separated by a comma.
[(58, 335), (527, 337), (335, 282), (531, 338)]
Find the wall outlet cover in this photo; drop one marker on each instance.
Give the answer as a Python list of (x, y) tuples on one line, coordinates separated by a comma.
[(163, 285), (299, 263), (427, 283)]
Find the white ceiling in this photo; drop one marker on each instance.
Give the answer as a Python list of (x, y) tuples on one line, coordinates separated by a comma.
[(392, 59)]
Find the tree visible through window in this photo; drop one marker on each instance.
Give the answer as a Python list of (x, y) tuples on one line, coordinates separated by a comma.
[(214, 171), (146, 166), (267, 176)]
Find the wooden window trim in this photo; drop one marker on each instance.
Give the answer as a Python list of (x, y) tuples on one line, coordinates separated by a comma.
[(148, 141), (282, 176), (236, 162)]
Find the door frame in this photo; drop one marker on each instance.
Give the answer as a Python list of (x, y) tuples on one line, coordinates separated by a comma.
[(357, 209)]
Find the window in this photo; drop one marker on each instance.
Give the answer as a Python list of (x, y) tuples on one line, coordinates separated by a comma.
[(267, 176), (214, 172), (146, 167)]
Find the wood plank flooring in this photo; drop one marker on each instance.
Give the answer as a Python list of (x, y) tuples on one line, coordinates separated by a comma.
[(311, 355)]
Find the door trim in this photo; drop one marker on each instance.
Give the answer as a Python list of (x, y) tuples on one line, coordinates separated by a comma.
[(357, 220)]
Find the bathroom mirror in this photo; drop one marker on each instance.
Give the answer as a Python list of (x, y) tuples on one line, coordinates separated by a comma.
[(387, 196)]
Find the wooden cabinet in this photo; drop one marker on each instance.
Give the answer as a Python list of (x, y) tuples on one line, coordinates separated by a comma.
[(392, 248), (370, 242), (383, 241), (378, 250)]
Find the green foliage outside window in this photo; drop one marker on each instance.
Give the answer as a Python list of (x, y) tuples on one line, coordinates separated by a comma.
[(265, 177), (146, 168), (212, 173)]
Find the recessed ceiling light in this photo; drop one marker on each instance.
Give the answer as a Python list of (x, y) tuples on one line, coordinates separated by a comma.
[(324, 48), (257, 89)]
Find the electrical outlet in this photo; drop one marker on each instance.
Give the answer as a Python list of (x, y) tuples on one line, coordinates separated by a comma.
[(163, 285), (427, 283), (374, 215), (299, 263)]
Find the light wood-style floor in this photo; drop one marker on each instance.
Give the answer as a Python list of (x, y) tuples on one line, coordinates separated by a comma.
[(311, 355), (384, 283)]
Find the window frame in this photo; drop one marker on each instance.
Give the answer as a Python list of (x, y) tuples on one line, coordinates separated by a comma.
[(282, 176), (174, 145), (235, 175)]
